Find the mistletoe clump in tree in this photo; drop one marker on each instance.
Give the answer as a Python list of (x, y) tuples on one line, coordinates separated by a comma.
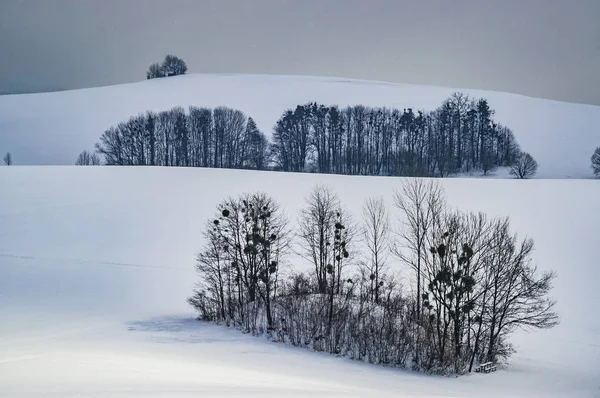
[(451, 286), (240, 263)]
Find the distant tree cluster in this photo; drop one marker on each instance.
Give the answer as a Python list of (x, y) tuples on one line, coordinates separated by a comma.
[(171, 66), (8, 159), (473, 282), (459, 136), (87, 158), (202, 137)]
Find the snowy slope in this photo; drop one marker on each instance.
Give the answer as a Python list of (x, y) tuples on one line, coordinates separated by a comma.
[(52, 128), (96, 264)]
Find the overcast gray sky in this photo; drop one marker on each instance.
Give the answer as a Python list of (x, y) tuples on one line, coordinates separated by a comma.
[(544, 48)]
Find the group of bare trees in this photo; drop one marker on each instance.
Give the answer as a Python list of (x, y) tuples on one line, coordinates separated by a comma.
[(470, 280), (171, 66), (240, 263), (202, 137), (460, 136), (87, 158)]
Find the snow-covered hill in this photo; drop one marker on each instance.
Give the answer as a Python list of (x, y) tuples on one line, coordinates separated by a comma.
[(52, 128), (96, 264)]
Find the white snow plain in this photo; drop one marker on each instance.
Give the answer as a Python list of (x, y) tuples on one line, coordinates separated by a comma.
[(53, 128), (96, 264)]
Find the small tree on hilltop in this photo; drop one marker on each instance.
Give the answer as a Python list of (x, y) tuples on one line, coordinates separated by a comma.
[(154, 71), (8, 159), (596, 162), (524, 166), (173, 65)]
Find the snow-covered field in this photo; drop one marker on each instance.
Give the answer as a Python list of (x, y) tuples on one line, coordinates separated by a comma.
[(96, 264), (53, 128)]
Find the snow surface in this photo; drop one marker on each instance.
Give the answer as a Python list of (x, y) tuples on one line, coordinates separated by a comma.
[(96, 264), (53, 128)]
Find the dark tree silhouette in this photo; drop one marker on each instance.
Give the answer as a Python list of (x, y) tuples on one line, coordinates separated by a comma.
[(222, 138), (377, 230), (173, 65), (459, 136), (596, 162), (422, 205), (479, 284), (86, 158), (517, 294), (524, 166), (316, 232), (246, 245), (8, 160), (257, 146), (154, 71)]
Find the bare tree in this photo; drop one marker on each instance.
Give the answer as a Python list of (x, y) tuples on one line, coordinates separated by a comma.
[(173, 65), (377, 239), (477, 284), (340, 245), (212, 296), (453, 276), (524, 166), (422, 204), (317, 220), (230, 129), (596, 162), (460, 135), (240, 265), (86, 158), (8, 160), (518, 293)]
